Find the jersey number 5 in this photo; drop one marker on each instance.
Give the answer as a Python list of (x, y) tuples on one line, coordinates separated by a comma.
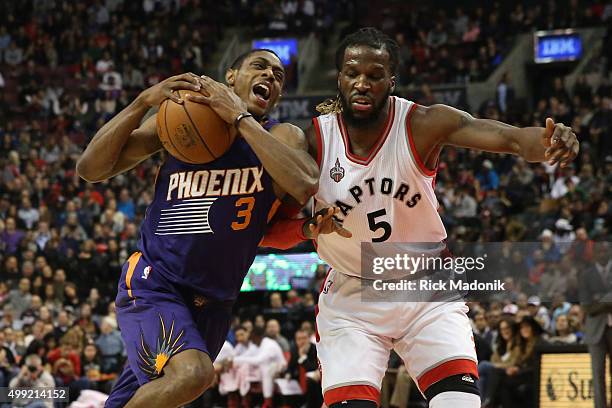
[(376, 225), (244, 213)]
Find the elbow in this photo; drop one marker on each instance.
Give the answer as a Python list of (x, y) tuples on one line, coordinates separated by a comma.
[(84, 172)]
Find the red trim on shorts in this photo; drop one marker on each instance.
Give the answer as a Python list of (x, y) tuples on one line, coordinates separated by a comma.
[(315, 122), (317, 337), (379, 143), (351, 392), (413, 149), (447, 369)]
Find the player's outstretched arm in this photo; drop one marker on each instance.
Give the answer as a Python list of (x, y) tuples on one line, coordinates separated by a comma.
[(555, 143), (121, 144), (288, 162)]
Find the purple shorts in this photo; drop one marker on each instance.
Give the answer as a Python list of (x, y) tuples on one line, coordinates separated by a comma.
[(159, 320)]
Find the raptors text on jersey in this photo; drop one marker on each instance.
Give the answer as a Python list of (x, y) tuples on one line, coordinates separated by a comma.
[(386, 196)]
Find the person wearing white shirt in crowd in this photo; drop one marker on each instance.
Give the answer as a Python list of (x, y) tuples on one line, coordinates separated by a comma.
[(268, 360), (226, 374), (564, 235), (563, 183)]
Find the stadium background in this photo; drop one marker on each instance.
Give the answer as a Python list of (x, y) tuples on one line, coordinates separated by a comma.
[(66, 67)]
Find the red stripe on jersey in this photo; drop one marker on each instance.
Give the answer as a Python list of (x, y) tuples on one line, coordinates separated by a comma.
[(379, 143), (447, 369), (315, 122), (351, 392), (413, 149), (317, 337)]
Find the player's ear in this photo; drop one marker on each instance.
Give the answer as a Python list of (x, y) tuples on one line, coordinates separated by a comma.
[(392, 84), (230, 77)]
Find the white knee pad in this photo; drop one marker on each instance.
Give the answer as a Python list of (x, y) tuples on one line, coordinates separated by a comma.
[(455, 399)]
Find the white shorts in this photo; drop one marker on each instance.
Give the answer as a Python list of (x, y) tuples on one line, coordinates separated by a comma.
[(355, 338)]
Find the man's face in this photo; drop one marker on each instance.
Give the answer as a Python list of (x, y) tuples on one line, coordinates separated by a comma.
[(480, 321), (365, 83), (24, 285), (258, 81), (301, 338), (272, 328)]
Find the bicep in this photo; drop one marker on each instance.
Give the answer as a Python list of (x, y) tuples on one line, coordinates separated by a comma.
[(460, 129)]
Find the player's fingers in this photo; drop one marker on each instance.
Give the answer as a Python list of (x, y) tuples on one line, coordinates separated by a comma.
[(557, 135), (557, 155), (548, 131), (343, 232), (184, 85), (173, 96), (189, 77), (325, 217), (198, 98), (571, 154)]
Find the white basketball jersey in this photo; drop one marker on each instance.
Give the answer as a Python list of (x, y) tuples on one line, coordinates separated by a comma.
[(385, 197)]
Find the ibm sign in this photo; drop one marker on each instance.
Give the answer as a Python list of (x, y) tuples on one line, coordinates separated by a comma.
[(555, 46), (283, 47)]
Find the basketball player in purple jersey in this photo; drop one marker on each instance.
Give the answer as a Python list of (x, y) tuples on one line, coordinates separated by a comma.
[(202, 230)]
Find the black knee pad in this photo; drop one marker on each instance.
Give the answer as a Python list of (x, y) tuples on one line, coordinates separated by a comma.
[(354, 404), (458, 383)]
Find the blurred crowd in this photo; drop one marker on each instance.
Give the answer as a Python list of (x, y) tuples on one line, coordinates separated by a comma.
[(459, 42), (62, 241)]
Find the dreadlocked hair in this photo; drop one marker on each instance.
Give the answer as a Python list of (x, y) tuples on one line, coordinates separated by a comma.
[(331, 105), (370, 37)]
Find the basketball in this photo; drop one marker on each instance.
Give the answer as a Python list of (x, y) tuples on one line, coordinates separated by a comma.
[(192, 132)]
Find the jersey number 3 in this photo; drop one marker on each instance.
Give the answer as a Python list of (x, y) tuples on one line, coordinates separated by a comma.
[(244, 213), (376, 225)]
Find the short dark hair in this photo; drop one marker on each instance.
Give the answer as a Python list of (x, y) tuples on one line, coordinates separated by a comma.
[(258, 332), (370, 37), (240, 59)]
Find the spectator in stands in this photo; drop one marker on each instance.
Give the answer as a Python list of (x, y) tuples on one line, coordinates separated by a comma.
[(267, 360), (304, 367), (518, 384), (505, 354), (596, 300), (110, 345), (563, 333), (20, 299), (488, 178), (273, 332), (11, 237), (32, 374)]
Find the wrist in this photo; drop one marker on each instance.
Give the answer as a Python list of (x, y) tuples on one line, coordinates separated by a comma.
[(239, 117), (140, 102)]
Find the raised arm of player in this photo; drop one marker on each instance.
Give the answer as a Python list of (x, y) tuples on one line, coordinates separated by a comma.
[(288, 163), (121, 143), (555, 143)]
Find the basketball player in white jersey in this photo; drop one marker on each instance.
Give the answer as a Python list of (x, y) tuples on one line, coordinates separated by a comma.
[(378, 155)]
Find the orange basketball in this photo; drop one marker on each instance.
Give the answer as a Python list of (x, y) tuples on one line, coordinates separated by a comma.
[(192, 132)]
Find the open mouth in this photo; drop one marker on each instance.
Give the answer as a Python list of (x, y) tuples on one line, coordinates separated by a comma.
[(361, 103), (262, 94)]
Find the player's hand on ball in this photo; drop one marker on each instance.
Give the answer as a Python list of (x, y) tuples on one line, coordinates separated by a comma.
[(221, 98), (561, 143), (156, 94), (323, 222)]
